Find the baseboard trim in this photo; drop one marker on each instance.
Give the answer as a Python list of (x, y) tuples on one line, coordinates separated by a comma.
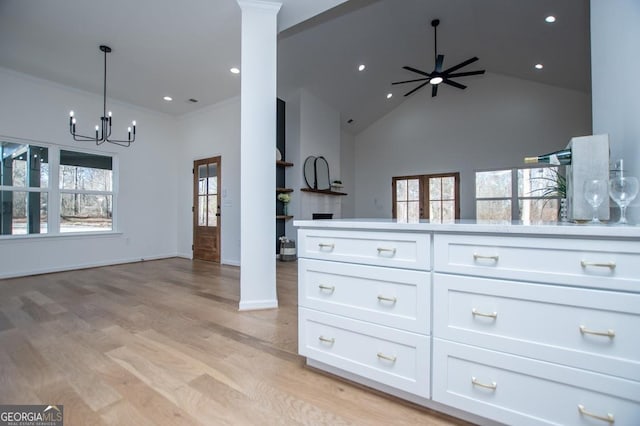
[(230, 262), (89, 265), (258, 304)]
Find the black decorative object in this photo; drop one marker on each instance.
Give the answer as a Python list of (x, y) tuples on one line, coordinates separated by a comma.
[(316, 173), (438, 76), (103, 132)]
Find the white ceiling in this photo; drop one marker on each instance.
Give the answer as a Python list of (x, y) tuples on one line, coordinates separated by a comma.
[(184, 49)]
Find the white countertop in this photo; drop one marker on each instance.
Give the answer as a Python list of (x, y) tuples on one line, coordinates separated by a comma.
[(516, 227)]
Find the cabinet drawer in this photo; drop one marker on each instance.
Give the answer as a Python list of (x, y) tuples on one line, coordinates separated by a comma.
[(586, 263), (516, 390), (393, 249), (397, 298), (395, 358), (590, 329)]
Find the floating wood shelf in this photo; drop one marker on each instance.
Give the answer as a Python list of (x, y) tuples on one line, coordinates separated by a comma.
[(323, 191), (283, 163), (283, 217), (282, 190)]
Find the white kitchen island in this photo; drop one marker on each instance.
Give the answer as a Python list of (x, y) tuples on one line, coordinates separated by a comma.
[(491, 322)]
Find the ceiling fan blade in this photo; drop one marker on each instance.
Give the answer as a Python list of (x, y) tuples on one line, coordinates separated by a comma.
[(460, 65), (464, 74), (417, 88), (439, 61), (417, 71), (412, 81), (454, 84), (434, 90)]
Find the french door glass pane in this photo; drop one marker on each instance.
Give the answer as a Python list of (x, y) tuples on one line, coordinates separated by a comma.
[(448, 210), (401, 190), (202, 179), (493, 210), (448, 188), (434, 189), (213, 179), (413, 188), (435, 210), (85, 212), (202, 210), (401, 211), (212, 209), (413, 211)]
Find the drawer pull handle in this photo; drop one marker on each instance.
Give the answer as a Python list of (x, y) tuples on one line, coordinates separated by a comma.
[(475, 312), (386, 357), (609, 333), (477, 256), (387, 299), (609, 418), (329, 288), (492, 386), (382, 250), (610, 265), (325, 245), (329, 340)]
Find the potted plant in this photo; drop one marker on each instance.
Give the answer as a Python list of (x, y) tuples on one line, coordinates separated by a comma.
[(555, 188)]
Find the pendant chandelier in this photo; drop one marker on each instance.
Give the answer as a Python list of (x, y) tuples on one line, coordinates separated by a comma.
[(103, 132)]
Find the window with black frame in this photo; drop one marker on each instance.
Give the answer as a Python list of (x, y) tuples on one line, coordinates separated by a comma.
[(24, 188), (86, 192)]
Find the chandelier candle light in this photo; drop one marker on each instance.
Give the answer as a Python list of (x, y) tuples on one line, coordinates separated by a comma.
[(103, 133)]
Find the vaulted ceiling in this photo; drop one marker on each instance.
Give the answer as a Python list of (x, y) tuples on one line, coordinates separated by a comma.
[(185, 49)]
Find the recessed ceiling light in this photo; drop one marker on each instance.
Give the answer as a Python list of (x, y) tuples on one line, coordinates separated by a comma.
[(235, 70), (389, 95), (361, 67), (539, 66), (168, 98), (550, 19)]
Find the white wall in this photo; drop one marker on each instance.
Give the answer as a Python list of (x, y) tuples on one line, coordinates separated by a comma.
[(615, 41), (494, 123), (347, 167), (312, 129), (38, 110), (208, 133)]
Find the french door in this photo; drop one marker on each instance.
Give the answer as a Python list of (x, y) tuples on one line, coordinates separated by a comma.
[(206, 209)]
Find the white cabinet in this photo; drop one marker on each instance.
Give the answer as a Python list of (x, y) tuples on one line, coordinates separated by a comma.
[(529, 326), (371, 321), (537, 330)]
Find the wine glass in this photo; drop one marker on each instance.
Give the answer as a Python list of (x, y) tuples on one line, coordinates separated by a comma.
[(595, 192), (623, 190)]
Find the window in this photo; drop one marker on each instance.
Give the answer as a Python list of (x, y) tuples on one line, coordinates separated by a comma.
[(434, 197), (24, 194), (86, 192), (517, 194)]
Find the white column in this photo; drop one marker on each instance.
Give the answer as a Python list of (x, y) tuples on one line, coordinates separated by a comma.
[(258, 154)]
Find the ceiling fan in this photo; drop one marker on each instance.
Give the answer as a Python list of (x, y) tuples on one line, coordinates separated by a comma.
[(438, 76)]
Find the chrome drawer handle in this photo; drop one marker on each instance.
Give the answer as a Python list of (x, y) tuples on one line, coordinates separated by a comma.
[(386, 357), (475, 312), (329, 288), (492, 386), (382, 250), (325, 245), (610, 265), (609, 418), (329, 340), (477, 256), (609, 333), (387, 299)]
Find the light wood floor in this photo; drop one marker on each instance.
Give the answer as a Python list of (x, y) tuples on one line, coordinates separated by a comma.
[(162, 343)]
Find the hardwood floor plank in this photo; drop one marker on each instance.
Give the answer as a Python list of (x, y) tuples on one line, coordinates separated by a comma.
[(163, 343)]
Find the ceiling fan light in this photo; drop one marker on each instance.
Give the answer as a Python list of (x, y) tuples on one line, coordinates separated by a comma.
[(436, 80)]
